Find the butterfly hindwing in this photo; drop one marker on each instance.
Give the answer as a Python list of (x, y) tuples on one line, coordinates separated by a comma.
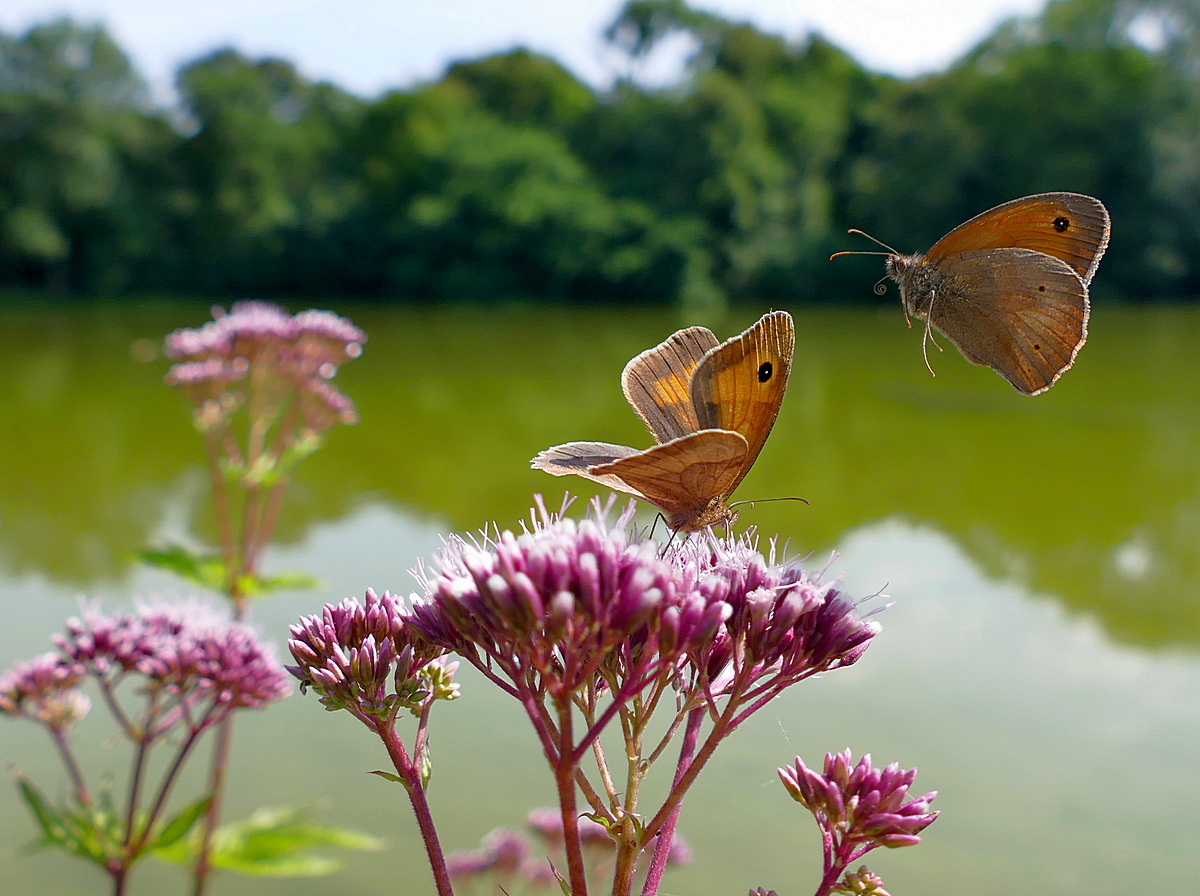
[(1020, 312), (577, 458), (682, 477)]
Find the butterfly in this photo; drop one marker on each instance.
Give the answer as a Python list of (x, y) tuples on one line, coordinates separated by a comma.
[(709, 405), (1010, 286)]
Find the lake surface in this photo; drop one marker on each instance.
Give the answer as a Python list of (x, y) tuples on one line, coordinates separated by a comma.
[(1040, 664)]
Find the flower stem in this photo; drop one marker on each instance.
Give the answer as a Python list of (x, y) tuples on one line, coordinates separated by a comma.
[(662, 849), (564, 779), (212, 815), (411, 774), (81, 791)]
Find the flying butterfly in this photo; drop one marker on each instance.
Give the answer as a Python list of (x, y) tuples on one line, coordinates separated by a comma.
[(1010, 286), (709, 405)]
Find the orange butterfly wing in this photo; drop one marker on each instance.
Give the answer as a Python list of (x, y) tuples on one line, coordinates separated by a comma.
[(711, 407), (657, 382), (1071, 227), (739, 385), (682, 477), (577, 459)]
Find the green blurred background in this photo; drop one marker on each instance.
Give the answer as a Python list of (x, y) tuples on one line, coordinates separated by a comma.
[(509, 237)]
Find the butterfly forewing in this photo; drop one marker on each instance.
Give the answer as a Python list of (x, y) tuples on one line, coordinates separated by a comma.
[(739, 385), (1071, 227), (682, 476), (657, 382), (1020, 312)]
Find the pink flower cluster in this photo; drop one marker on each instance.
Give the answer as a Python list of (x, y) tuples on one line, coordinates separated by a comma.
[(858, 806), (205, 666), (44, 689), (278, 355)]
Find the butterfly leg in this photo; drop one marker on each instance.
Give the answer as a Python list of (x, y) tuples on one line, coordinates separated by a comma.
[(670, 541), (927, 336)]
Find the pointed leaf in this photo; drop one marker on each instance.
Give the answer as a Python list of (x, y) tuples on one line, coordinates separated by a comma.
[(51, 822), (390, 777), (207, 570), (178, 826), (273, 842)]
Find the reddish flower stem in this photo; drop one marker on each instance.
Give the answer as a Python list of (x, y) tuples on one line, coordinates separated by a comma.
[(216, 788), (564, 779), (411, 775), (81, 791), (662, 849)]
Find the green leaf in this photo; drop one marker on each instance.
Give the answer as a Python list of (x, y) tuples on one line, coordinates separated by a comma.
[(207, 570), (51, 822), (390, 777), (273, 842), (178, 826), (83, 832), (253, 586)]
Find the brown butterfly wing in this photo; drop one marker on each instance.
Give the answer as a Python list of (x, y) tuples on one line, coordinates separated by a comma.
[(683, 476), (1068, 226), (577, 459), (656, 382), (1017, 311), (739, 385)]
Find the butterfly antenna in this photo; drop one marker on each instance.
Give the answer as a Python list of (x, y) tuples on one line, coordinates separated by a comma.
[(754, 501), (855, 230)]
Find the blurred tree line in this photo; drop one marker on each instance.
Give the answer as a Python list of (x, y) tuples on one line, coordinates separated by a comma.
[(510, 177)]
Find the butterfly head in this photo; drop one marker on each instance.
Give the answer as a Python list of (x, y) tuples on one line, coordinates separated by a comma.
[(716, 513), (898, 266)]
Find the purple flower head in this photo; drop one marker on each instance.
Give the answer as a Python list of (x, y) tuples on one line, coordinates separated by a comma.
[(509, 848), (362, 657), (858, 805), (503, 854), (44, 689), (784, 625), (258, 349), (185, 649), (554, 607), (463, 865), (226, 665)]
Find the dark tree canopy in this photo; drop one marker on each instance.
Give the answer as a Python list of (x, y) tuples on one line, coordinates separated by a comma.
[(510, 177)]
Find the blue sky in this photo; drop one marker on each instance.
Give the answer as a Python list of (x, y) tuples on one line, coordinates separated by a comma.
[(369, 45)]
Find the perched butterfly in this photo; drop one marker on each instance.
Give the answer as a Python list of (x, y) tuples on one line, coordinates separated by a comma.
[(710, 406), (1010, 286)]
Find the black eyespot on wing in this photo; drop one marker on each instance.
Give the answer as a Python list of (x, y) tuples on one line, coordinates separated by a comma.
[(1061, 224), (1041, 289), (765, 371), (1036, 347)]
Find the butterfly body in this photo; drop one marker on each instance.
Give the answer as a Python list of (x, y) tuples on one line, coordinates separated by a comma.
[(710, 407), (1010, 286)]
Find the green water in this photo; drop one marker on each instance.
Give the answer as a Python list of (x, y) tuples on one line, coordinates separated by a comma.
[(1039, 665)]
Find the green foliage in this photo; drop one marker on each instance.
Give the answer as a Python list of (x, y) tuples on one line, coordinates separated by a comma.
[(510, 177), (97, 832), (273, 842), (209, 571)]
